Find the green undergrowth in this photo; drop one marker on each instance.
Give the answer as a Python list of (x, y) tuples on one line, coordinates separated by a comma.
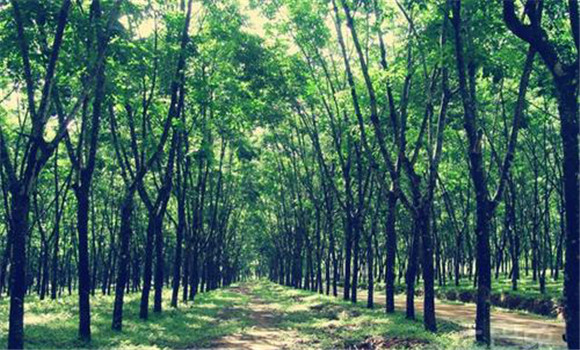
[(53, 324), (317, 321), (527, 298), (327, 322)]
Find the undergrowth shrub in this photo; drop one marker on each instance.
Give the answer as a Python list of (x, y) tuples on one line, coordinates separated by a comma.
[(514, 300)]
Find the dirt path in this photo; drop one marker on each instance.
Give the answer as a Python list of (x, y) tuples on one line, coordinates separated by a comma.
[(507, 328), (262, 334)]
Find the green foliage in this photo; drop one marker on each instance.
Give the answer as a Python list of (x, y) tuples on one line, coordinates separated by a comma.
[(527, 298)]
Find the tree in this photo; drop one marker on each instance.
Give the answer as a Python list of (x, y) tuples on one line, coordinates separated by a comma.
[(22, 176), (133, 178), (486, 204), (565, 77)]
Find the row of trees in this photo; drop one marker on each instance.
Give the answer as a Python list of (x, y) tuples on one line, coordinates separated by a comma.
[(428, 140), (124, 151)]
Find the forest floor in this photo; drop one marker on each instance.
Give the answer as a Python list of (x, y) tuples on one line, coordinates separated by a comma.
[(260, 315), (53, 324), (263, 333), (286, 318), (507, 327)]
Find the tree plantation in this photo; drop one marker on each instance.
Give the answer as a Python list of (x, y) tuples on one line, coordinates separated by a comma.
[(264, 174)]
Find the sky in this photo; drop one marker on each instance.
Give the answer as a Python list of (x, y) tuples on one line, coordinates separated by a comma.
[(254, 25)]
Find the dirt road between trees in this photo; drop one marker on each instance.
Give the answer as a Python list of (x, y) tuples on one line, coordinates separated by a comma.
[(507, 327), (262, 334)]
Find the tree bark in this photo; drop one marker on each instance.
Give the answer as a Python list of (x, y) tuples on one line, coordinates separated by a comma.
[(148, 267), (391, 251), (82, 194), (123, 258), (18, 232)]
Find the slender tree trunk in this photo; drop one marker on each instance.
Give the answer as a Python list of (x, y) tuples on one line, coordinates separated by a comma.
[(82, 194), (186, 273), (194, 275), (178, 248), (568, 107), (412, 272), (482, 320), (458, 251), (347, 259), (123, 258), (424, 219), (355, 253), (391, 251), (370, 266), (514, 237), (44, 269), (147, 267), (18, 230), (159, 265), (561, 237), (319, 286)]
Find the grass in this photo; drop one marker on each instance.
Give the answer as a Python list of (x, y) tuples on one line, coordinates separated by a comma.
[(527, 298), (526, 286), (53, 324), (318, 321), (327, 322)]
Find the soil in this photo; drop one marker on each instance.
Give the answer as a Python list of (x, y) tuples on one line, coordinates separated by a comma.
[(263, 334), (508, 328)]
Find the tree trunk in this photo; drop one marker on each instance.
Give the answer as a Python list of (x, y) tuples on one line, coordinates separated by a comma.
[(424, 219), (568, 108), (178, 247), (319, 287), (159, 264), (18, 230), (123, 258), (391, 251), (482, 319), (82, 194), (370, 266), (412, 272), (147, 267), (186, 273), (347, 259), (356, 226)]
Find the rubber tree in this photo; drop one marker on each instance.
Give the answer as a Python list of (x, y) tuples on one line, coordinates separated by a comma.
[(486, 202), (565, 78), (22, 172), (133, 178)]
